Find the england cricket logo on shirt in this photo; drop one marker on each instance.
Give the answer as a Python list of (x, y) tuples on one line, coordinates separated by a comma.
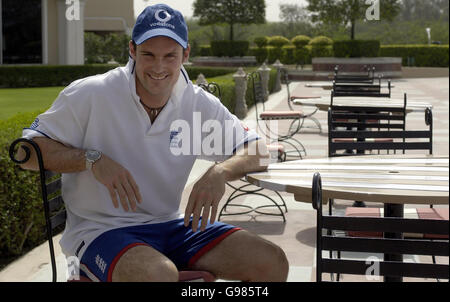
[(35, 124), (173, 141)]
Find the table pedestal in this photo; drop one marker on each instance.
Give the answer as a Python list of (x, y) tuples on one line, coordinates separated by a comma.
[(393, 210)]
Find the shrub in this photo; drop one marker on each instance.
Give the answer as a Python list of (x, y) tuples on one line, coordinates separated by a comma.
[(418, 55), (300, 41), (288, 55), (101, 49), (274, 53), (22, 222), (356, 48), (47, 75), (321, 51), (208, 72), (302, 56), (205, 51), (321, 41), (261, 41), (278, 41), (227, 88), (229, 48), (321, 47), (260, 54)]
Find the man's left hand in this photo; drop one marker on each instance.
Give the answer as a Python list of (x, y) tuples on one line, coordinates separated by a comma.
[(205, 197)]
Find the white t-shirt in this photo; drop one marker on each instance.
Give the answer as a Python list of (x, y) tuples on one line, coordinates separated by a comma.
[(103, 112)]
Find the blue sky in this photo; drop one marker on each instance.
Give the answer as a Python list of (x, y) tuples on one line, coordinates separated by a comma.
[(185, 6)]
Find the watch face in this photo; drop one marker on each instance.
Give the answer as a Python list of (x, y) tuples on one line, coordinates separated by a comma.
[(93, 155)]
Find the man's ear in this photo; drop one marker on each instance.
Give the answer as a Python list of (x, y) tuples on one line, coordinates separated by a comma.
[(132, 48), (186, 53)]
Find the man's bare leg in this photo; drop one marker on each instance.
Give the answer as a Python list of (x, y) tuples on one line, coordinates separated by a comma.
[(247, 257), (144, 264)]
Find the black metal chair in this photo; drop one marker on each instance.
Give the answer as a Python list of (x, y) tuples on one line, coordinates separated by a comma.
[(350, 133), (368, 77), (245, 188), (332, 242), (50, 184), (290, 98), (360, 89), (296, 118), (55, 212)]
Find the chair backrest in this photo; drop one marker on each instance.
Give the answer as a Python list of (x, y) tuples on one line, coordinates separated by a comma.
[(50, 185), (351, 128), (363, 78), (255, 82), (285, 80), (360, 89), (333, 242), (212, 88)]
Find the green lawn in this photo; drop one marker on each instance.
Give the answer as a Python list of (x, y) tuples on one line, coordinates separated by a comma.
[(20, 100)]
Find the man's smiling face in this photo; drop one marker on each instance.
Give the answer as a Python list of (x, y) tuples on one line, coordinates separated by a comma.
[(158, 62)]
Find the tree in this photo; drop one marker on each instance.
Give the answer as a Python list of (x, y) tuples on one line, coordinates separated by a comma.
[(231, 12), (347, 12), (294, 20)]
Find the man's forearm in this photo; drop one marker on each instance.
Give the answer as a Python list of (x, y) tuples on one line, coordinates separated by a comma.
[(56, 156), (245, 162)]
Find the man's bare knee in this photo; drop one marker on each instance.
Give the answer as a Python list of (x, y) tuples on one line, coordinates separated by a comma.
[(144, 264)]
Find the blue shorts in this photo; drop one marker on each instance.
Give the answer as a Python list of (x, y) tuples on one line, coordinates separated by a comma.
[(177, 242)]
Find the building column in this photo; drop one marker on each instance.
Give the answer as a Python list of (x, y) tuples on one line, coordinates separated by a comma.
[(44, 22), (71, 32), (1, 34)]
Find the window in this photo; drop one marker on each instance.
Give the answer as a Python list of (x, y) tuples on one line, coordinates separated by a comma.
[(21, 31)]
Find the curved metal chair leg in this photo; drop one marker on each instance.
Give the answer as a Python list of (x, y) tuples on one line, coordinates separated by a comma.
[(251, 209)]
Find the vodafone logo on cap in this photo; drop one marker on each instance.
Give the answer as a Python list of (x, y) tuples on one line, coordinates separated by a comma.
[(162, 15)]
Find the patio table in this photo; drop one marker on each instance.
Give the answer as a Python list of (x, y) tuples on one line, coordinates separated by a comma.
[(394, 180), (329, 85), (324, 103)]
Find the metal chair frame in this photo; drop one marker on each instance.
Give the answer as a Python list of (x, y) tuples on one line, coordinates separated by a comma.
[(244, 189), (54, 210), (390, 122), (290, 99), (387, 225), (258, 97), (367, 78)]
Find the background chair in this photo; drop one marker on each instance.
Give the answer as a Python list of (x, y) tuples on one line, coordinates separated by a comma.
[(291, 98), (350, 132), (331, 242), (367, 77), (245, 188), (266, 116), (55, 212)]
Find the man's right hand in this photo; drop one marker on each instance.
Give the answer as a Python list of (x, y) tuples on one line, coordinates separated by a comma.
[(119, 182)]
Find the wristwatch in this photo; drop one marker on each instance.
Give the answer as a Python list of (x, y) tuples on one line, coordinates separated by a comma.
[(91, 157)]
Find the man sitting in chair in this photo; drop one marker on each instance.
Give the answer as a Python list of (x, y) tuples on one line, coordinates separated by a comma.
[(111, 137)]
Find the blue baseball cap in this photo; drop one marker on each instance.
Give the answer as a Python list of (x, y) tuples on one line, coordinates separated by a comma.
[(160, 20)]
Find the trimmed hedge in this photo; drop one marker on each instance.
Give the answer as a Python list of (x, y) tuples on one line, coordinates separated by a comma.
[(278, 41), (261, 41), (227, 89), (208, 72), (22, 225), (356, 48), (287, 55), (49, 76), (300, 41), (418, 55), (229, 48)]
